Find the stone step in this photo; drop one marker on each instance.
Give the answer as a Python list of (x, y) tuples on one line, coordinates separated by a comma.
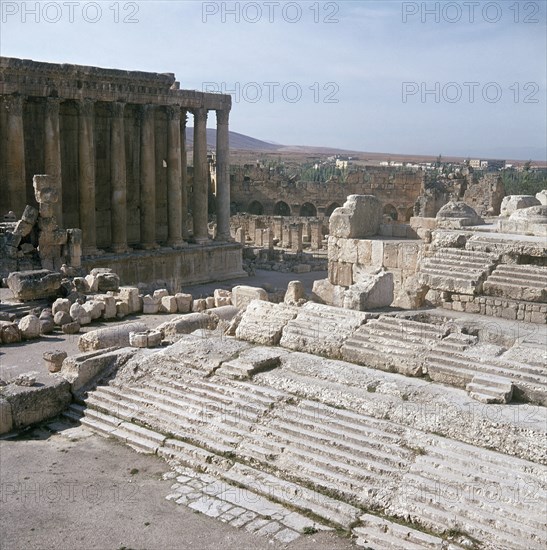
[(237, 370), (382, 534), (406, 327), (294, 495), (515, 290), (451, 273), (525, 269), (518, 278), (466, 253), (490, 389), (457, 264)]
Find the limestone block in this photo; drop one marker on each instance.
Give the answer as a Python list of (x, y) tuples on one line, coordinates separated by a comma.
[(456, 214), (340, 273), (94, 309), (62, 318), (6, 420), (168, 304), (47, 326), (54, 360), (373, 293), (81, 284), (542, 197), (84, 369), (512, 203), (362, 273), (26, 380), (364, 251), (71, 328), (34, 285), (9, 333), (408, 256), (358, 218), (295, 295), (184, 302), (61, 304), (333, 249), (92, 283), (223, 313), (263, 322), (199, 305), (242, 295), (324, 292), (301, 268), (130, 295), (154, 338), (109, 302), (79, 314), (122, 309), (116, 336), (29, 327), (209, 302), (222, 297), (30, 215), (186, 324), (138, 339), (160, 293), (377, 253), (108, 281), (22, 228), (391, 254), (150, 305)]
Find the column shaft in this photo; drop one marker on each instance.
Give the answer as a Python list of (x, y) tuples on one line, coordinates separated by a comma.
[(118, 179), (183, 176), (200, 188), (174, 181), (223, 176), (52, 152), (148, 178), (86, 161), (15, 154)]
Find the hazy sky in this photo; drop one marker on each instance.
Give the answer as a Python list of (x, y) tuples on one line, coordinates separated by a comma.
[(462, 78)]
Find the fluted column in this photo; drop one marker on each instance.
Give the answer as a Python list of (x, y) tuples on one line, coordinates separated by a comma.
[(200, 195), (223, 176), (86, 162), (15, 154), (52, 152), (183, 176), (118, 179), (174, 182), (148, 178)]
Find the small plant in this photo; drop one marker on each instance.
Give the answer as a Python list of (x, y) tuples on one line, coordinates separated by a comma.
[(309, 530), (134, 471)]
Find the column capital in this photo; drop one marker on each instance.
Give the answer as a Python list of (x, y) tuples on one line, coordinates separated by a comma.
[(117, 108), (147, 110), (200, 114), (52, 105), (86, 107), (14, 104), (223, 116), (173, 112)]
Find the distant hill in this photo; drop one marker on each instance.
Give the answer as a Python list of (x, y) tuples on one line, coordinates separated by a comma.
[(237, 141)]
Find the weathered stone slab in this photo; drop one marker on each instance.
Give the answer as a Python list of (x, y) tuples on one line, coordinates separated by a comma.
[(186, 324), (263, 322), (512, 203), (116, 336), (359, 218), (370, 292), (34, 285), (242, 295)]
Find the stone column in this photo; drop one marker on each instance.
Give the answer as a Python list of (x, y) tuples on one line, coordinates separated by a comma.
[(86, 166), (223, 176), (201, 188), (174, 181), (316, 235), (52, 152), (183, 176), (296, 237), (148, 178), (118, 179), (15, 154)]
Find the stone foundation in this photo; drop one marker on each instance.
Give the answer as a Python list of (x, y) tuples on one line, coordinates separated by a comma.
[(189, 266)]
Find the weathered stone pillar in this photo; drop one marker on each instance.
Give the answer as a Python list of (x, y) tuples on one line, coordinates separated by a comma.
[(296, 237), (223, 176), (200, 194), (316, 235), (148, 178), (15, 154), (174, 181), (52, 152), (86, 164), (118, 179), (183, 175)]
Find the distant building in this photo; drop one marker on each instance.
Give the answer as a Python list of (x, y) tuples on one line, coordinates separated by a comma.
[(490, 165)]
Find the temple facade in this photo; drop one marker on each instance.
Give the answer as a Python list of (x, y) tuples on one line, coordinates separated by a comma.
[(114, 142)]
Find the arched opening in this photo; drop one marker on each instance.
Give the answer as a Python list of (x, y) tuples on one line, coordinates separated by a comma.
[(409, 213), (255, 208), (282, 209), (331, 209), (308, 210), (391, 211)]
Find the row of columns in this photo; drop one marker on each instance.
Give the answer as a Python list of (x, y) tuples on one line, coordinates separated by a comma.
[(176, 171)]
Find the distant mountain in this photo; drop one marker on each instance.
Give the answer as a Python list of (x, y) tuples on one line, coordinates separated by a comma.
[(237, 141)]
